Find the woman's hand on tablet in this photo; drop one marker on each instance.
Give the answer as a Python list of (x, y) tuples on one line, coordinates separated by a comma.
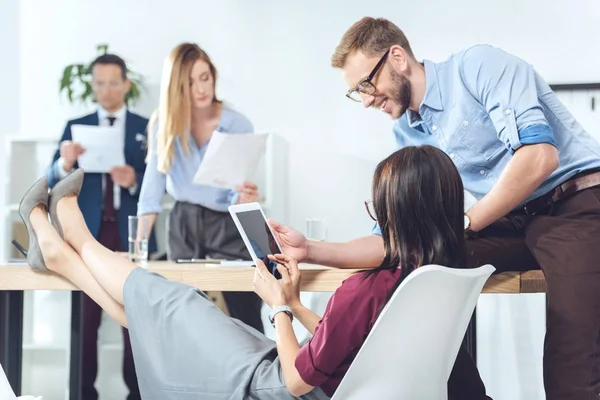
[(290, 278), (267, 287), (282, 292), (248, 193), (292, 242)]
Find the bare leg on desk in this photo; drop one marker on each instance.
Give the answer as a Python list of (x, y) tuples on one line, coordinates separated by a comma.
[(63, 260)]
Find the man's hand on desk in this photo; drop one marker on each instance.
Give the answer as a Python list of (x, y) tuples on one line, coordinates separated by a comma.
[(248, 193), (69, 152), (123, 176)]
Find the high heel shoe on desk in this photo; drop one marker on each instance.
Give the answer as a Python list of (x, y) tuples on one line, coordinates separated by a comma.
[(69, 185), (36, 195)]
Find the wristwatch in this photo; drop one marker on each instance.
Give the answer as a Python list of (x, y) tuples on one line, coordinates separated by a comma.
[(277, 310)]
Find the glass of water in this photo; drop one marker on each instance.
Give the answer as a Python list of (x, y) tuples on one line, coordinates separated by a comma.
[(138, 240), (316, 229)]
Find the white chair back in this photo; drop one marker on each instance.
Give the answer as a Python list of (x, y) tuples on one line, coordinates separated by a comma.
[(412, 347), (6, 392)]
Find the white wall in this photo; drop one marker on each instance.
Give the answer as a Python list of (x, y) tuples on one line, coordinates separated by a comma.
[(9, 100), (274, 62), (9, 70), (273, 58)]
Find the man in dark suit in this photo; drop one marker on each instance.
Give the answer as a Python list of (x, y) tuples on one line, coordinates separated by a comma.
[(106, 200)]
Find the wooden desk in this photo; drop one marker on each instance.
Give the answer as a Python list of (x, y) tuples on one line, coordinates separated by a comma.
[(14, 279), (211, 277)]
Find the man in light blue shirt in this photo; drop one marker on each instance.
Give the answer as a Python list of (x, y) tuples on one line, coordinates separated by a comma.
[(520, 152)]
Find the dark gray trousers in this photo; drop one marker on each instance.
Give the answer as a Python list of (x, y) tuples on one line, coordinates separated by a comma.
[(198, 232)]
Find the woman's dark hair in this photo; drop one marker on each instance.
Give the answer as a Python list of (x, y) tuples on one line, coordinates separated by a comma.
[(418, 198)]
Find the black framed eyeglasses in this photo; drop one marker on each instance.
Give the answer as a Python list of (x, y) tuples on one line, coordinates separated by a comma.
[(366, 86), (371, 210)]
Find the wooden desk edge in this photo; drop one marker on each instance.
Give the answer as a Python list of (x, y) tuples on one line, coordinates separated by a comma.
[(533, 282), (319, 279)]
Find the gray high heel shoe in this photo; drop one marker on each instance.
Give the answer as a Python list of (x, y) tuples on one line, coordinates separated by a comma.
[(35, 196), (69, 185)]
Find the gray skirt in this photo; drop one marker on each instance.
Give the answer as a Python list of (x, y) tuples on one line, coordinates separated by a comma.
[(185, 348)]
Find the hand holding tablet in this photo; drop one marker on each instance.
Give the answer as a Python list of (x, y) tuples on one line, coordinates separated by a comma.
[(257, 234)]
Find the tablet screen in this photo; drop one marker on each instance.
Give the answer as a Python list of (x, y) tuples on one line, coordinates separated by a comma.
[(259, 235)]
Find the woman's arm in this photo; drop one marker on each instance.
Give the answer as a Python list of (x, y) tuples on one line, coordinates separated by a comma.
[(287, 348), (153, 185), (307, 318), (273, 293)]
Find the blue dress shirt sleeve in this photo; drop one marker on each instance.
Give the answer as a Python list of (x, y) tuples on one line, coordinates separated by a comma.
[(505, 85), (376, 230), (154, 182)]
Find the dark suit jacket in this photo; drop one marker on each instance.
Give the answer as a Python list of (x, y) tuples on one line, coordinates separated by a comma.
[(91, 198)]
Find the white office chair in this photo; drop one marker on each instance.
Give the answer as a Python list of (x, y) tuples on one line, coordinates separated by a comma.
[(412, 347), (6, 392)]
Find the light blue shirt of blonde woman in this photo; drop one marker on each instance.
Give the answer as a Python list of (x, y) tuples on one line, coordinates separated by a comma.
[(178, 181)]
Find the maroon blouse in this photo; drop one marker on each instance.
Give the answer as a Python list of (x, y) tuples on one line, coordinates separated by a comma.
[(348, 319)]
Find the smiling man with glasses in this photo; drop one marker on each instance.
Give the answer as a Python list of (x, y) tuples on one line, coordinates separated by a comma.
[(533, 168), (366, 86)]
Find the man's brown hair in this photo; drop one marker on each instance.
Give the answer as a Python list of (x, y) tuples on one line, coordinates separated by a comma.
[(372, 36)]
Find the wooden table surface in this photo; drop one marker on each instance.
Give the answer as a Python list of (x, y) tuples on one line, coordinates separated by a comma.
[(213, 277)]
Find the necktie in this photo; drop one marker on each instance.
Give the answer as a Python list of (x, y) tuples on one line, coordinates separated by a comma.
[(109, 206)]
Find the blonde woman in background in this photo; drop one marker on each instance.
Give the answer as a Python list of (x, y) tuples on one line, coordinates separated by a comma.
[(199, 225)]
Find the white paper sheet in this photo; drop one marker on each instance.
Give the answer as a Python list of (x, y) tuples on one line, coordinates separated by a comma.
[(230, 159), (104, 147)]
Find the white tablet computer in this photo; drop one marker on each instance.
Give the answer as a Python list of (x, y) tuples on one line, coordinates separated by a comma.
[(257, 234)]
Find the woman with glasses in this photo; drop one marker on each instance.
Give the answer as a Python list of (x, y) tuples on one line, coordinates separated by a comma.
[(185, 348), (199, 225)]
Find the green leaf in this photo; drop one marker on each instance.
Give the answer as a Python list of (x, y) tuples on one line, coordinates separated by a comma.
[(102, 48), (67, 77), (81, 71), (133, 95), (87, 92)]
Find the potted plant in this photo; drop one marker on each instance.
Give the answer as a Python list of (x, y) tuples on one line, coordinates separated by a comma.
[(76, 82)]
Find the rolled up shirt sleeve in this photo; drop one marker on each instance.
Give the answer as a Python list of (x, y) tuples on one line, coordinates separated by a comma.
[(506, 86)]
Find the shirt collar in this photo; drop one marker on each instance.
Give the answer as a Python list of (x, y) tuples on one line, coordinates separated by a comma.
[(119, 114), (431, 99), (433, 96), (414, 119)]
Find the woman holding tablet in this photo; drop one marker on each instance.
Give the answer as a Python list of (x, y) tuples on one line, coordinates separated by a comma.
[(199, 225), (185, 348)]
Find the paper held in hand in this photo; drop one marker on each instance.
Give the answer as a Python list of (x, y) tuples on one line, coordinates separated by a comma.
[(230, 159), (104, 147)]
